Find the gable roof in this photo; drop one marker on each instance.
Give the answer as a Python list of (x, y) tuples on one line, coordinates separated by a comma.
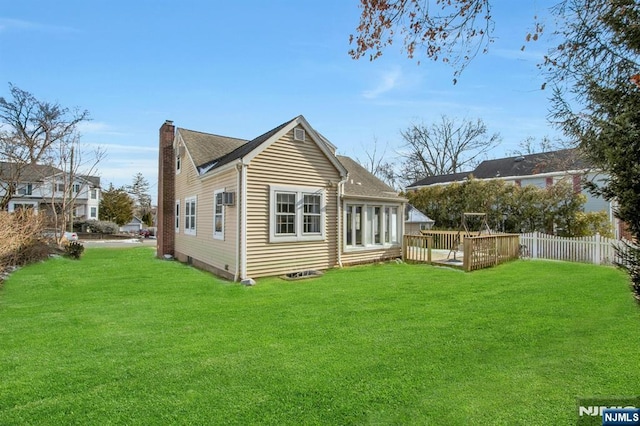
[(210, 152), (413, 215), (28, 172), (517, 166), (38, 173), (204, 147), (362, 183), (531, 164)]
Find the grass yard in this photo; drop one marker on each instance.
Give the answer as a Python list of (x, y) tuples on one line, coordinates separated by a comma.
[(120, 337)]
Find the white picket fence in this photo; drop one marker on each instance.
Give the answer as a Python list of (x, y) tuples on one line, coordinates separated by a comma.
[(594, 249)]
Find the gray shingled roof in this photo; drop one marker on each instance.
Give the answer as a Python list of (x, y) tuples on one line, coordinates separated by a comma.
[(37, 173), (531, 164), (29, 172), (205, 147), (362, 183), (413, 215), (519, 165), (212, 151), (242, 150), (431, 180)]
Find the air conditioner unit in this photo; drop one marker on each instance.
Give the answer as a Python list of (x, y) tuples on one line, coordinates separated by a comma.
[(228, 198)]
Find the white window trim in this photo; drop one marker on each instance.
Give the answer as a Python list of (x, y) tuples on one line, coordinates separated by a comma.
[(218, 235), (178, 212), (12, 205), (178, 163), (194, 221), (385, 221), (299, 191)]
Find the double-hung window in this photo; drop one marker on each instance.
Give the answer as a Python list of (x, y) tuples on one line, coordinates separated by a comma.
[(297, 214), (177, 216), (190, 215), (218, 215)]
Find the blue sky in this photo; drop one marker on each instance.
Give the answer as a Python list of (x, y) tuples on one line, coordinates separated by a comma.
[(241, 68)]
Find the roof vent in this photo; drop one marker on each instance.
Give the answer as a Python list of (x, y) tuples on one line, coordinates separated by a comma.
[(519, 159), (298, 134)]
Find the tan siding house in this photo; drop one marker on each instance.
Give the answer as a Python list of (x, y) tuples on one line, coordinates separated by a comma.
[(278, 204)]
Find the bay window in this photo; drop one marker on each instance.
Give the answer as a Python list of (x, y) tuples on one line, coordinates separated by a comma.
[(370, 225)]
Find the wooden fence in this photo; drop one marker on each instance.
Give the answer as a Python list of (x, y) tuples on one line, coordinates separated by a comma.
[(445, 240), (594, 249), (479, 252), (417, 248), (489, 250)]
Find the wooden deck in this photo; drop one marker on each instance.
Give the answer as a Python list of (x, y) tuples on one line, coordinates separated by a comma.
[(477, 252)]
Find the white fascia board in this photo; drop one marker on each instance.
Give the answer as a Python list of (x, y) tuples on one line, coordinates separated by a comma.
[(212, 173), (177, 140), (300, 120), (399, 200)]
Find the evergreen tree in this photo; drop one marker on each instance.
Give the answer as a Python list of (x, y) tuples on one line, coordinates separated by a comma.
[(116, 206), (139, 189)]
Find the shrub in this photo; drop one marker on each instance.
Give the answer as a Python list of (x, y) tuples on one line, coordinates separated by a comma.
[(97, 226), (20, 235), (74, 249)]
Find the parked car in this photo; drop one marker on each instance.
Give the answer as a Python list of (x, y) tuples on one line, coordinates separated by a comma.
[(144, 233), (71, 236)]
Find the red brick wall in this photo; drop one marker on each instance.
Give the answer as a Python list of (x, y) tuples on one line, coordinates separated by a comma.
[(166, 190)]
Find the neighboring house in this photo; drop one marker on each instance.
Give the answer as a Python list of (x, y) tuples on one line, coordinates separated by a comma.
[(42, 187), (542, 170), (281, 203), (416, 221), (134, 226)]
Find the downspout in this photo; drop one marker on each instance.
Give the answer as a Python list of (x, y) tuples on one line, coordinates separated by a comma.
[(238, 227), (243, 225), (340, 225)]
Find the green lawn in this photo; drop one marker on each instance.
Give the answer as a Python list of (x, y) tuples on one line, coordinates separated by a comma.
[(120, 337)]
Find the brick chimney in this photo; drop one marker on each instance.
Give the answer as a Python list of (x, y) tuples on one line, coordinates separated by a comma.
[(166, 191)]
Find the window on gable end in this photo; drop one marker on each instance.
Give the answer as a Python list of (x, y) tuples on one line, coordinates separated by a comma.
[(218, 214)]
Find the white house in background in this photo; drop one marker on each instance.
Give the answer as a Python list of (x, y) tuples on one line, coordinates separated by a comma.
[(42, 187), (542, 170)]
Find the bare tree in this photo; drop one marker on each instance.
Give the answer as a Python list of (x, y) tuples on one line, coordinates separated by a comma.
[(532, 145), (76, 164), (376, 163), (445, 147), (29, 131), (40, 143)]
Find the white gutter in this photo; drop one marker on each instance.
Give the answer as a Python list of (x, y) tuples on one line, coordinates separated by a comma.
[(340, 225)]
